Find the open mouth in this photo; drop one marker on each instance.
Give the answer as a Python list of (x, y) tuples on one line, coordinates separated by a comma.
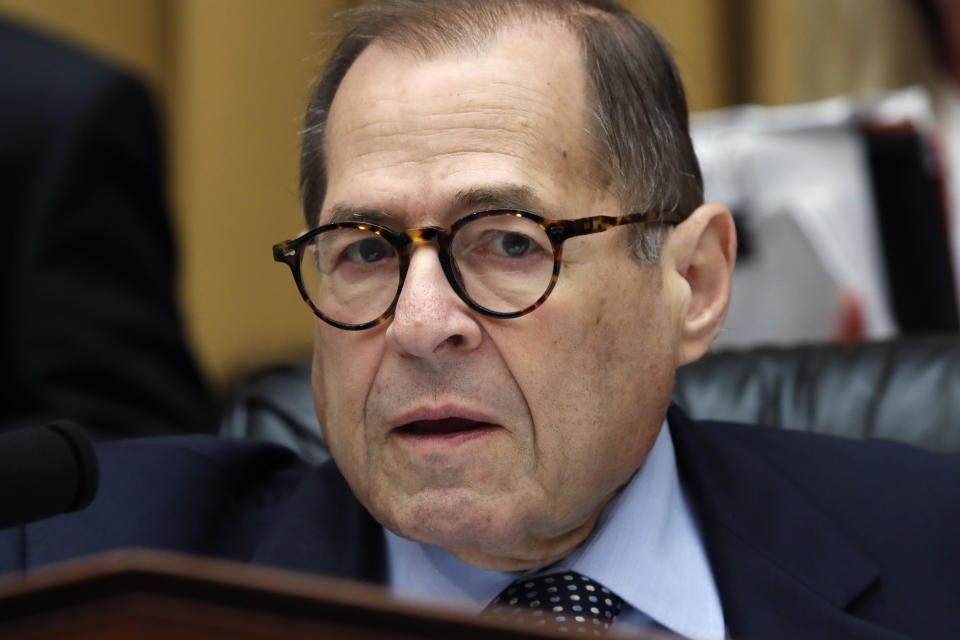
[(443, 427)]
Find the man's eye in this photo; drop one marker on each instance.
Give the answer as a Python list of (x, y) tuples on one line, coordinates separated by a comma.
[(511, 245), (367, 250)]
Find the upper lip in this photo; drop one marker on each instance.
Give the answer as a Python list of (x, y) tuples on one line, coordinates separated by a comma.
[(444, 412)]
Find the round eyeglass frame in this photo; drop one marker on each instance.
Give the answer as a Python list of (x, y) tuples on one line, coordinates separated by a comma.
[(291, 252)]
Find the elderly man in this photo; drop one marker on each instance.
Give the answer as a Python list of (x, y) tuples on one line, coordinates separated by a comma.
[(509, 257)]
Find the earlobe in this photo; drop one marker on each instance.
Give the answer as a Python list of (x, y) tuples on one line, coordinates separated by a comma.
[(703, 249)]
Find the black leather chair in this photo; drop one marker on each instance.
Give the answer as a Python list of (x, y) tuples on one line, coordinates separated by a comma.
[(276, 404), (905, 389)]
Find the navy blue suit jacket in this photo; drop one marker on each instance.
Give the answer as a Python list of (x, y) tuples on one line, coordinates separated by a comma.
[(808, 536)]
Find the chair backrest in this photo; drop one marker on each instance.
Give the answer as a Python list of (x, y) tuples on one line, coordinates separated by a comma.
[(276, 404), (906, 389)]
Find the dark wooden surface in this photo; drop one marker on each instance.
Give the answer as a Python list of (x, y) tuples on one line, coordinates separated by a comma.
[(154, 594)]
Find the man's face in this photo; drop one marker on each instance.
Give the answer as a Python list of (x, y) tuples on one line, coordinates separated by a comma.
[(499, 440)]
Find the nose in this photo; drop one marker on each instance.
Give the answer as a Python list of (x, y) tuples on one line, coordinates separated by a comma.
[(430, 318)]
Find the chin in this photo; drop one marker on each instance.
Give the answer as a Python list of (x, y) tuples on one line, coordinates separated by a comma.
[(495, 533), (453, 518)]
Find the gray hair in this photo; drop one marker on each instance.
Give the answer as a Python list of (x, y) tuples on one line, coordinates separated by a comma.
[(639, 122)]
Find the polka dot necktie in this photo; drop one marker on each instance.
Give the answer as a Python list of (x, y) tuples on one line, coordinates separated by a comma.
[(566, 602)]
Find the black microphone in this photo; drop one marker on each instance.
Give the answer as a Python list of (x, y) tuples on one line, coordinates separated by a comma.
[(45, 471)]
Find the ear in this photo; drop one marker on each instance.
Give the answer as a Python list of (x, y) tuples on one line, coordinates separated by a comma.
[(700, 254)]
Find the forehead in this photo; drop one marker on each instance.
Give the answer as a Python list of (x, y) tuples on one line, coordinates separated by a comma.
[(408, 134)]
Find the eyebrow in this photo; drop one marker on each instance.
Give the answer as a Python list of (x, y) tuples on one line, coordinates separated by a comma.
[(497, 196), (350, 213)]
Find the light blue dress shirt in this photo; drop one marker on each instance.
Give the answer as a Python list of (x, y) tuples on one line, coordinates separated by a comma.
[(646, 548)]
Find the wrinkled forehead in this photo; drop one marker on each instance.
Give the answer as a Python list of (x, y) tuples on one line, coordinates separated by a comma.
[(427, 128)]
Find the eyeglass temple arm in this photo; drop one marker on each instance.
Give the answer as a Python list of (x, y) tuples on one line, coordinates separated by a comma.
[(564, 229)]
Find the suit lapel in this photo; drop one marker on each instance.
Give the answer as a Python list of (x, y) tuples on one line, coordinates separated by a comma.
[(782, 567), (323, 529)]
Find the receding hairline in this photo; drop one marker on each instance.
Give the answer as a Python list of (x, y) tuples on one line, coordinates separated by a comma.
[(451, 31), (480, 43)]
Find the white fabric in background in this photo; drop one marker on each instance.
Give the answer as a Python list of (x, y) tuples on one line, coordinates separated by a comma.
[(947, 108), (800, 176)]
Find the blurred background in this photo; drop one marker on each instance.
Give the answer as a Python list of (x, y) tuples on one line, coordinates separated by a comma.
[(231, 78)]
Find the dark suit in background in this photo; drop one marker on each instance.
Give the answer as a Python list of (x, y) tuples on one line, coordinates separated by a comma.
[(89, 324)]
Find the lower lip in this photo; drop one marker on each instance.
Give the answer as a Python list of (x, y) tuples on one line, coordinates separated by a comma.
[(440, 441)]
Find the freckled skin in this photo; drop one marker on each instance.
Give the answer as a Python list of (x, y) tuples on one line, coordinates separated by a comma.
[(580, 386)]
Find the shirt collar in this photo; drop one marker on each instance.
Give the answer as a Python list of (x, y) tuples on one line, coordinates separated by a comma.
[(646, 548)]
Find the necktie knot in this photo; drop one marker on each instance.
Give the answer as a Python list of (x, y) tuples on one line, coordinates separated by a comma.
[(567, 602)]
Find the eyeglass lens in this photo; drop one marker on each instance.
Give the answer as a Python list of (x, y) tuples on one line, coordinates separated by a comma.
[(505, 263)]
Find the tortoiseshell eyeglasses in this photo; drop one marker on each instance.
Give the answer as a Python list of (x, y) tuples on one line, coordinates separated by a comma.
[(502, 263)]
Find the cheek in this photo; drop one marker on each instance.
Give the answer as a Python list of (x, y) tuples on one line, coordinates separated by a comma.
[(344, 366), (635, 358), (597, 371)]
